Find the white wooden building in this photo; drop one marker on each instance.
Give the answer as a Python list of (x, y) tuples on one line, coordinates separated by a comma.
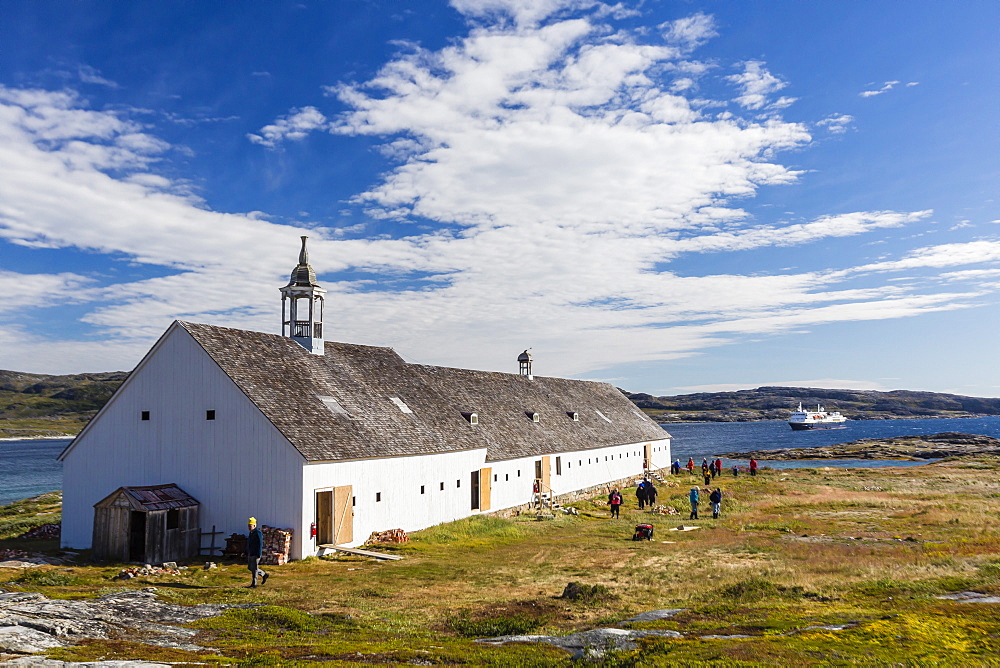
[(298, 431)]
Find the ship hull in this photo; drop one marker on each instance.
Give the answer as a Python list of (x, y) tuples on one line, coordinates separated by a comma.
[(809, 426)]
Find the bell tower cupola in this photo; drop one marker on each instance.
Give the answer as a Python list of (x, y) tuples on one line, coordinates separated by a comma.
[(524, 364), (302, 306)]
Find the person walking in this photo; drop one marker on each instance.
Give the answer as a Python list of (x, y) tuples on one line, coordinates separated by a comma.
[(705, 472), (715, 498), (640, 493), (711, 468), (693, 498), (690, 466), (255, 550), (676, 467), (753, 466), (615, 500), (718, 465)]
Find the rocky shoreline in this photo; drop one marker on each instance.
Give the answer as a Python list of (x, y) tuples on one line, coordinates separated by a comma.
[(929, 446)]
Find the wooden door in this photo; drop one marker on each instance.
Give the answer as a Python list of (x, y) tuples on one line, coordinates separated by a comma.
[(324, 517), (647, 462), (485, 488), (546, 474), (475, 490), (343, 515)]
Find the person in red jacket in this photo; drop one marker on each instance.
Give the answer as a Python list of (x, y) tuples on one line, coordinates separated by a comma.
[(753, 466), (690, 465)]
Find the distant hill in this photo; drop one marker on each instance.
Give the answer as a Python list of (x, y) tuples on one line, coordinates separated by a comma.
[(33, 404), (777, 403)]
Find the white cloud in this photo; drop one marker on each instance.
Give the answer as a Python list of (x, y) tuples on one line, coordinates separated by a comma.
[(756, 83), (555, 171), (526, 13), (296, 125), (691, 31)]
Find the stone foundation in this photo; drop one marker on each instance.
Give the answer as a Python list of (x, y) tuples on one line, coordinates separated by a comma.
[(569, 498)]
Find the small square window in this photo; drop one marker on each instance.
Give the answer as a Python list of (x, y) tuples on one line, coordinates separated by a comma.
[(421, 489), (458, 483), (209, 415), (173, 518), (442, 487), (144, 415), (378, 496)]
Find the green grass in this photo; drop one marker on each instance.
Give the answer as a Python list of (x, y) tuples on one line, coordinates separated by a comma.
[(784, 557)]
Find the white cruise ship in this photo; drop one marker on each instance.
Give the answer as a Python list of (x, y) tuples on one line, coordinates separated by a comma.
[(817, 419)]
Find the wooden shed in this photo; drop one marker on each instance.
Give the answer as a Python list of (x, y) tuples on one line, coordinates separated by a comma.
[(150, 524)]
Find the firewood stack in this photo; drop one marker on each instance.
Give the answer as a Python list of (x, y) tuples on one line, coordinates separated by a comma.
[(390, 536), (277, 545)]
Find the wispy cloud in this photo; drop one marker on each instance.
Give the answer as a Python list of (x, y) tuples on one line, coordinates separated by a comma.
[(886, 87), (836, 123), (296, 125)]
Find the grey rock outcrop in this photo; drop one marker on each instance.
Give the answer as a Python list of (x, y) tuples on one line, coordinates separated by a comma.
[(30, 623)]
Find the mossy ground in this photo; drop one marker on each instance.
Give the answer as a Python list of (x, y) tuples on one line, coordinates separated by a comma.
[(795, 551)]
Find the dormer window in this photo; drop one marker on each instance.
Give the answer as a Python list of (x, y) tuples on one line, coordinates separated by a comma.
[(575, 417), (473, 418), (532, 415)]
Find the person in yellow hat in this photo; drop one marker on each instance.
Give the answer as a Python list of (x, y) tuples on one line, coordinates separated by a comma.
[(255, 550)]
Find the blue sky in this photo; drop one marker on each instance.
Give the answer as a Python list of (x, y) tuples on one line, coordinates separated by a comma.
[(671, 196)]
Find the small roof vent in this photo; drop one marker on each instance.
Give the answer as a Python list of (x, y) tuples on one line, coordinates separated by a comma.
[(401, 405), (575, 417), (533, 415)]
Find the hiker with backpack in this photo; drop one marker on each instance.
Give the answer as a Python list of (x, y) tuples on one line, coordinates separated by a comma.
[(615, 501), (716, 500), (693, 498)]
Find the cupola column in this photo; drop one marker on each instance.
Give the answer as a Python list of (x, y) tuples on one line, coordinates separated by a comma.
[(524, 364)]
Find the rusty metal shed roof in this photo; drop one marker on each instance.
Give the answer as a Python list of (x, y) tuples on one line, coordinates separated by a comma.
[(152, 497)]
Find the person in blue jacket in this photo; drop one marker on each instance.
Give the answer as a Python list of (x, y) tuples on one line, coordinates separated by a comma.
[(255, 550), (693, 497)]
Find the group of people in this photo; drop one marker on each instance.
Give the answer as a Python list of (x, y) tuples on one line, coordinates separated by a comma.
[(645, 494), (710, 469), (714, 497)]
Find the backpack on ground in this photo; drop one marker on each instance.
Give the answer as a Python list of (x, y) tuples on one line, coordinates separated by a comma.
[(643, 531)]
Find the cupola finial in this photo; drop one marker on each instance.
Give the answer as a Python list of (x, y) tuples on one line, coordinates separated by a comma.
[(304, 254)]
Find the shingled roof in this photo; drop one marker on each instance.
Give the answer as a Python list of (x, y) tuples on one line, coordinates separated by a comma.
[(352, 402)]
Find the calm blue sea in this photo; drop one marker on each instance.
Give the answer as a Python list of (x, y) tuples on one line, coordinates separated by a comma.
[(29, 468), (705, 439)]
